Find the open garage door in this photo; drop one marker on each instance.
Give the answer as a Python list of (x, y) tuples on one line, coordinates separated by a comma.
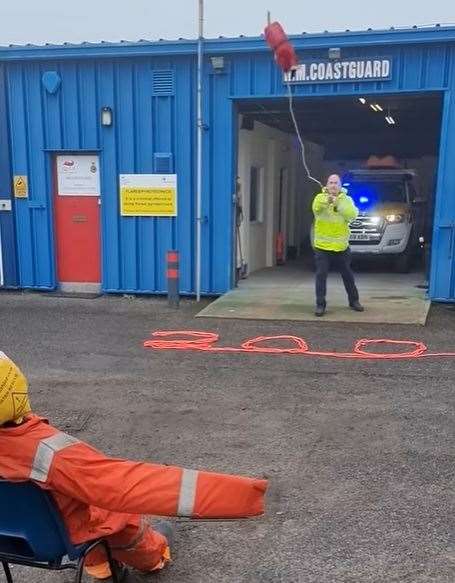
[(386, 149)]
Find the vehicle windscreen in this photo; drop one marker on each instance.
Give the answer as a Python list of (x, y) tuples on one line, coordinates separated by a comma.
[(369, 193)]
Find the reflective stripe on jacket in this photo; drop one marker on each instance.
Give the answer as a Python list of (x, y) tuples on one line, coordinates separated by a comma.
[(331, 226), (98, 495)]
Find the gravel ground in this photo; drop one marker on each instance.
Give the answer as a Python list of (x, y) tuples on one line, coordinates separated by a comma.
[(359, 454)]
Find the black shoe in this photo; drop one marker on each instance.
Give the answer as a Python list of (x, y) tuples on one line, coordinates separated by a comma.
[(320, 311), (357, 307)]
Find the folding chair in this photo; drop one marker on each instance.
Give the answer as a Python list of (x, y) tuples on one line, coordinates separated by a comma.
[(32, 533)]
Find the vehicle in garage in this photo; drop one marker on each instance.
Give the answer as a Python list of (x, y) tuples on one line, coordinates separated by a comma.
[(391, 217)]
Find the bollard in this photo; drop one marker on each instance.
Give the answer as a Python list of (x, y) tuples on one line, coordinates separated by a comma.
[(173, 292)]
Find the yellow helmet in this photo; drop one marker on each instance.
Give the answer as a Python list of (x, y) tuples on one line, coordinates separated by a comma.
[(14, 403)]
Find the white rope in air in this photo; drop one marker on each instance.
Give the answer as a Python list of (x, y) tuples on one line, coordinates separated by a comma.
[(299, 135)]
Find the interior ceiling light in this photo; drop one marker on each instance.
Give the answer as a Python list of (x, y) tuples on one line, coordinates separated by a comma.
[(390, 119), (378, 107), (374, 107), (362, 100)]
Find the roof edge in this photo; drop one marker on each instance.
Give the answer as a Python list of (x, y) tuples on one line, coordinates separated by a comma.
[(370, 37)]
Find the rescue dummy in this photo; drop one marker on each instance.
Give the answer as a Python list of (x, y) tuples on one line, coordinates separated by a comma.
[(99, 496)]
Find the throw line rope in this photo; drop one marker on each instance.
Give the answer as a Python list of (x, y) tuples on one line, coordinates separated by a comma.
[(206, 342), (299, 135)]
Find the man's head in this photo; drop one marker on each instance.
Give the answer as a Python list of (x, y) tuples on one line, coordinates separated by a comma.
[(14, 403), (334, 184)]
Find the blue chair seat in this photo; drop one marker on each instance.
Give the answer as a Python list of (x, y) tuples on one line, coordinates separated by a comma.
[(32, 533)]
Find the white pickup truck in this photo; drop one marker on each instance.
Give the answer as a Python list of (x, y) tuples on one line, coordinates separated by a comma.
[(391, 217)]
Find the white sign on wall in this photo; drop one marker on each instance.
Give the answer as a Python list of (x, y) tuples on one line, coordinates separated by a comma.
[(349, 70), (78, 175)]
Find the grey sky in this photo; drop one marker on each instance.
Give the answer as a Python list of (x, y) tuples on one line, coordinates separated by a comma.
[(40, 21)]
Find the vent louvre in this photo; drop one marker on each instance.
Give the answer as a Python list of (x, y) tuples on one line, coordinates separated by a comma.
[(163, 82), (163, 163)]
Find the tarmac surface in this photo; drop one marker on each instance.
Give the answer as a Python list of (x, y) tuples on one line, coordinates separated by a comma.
[(360, 454)]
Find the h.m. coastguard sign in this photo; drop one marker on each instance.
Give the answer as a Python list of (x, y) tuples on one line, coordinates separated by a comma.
[(339, 71)]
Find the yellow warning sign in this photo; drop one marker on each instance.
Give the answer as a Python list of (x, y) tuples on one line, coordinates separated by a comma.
[(148, 202), (148, 195), (21, 187)]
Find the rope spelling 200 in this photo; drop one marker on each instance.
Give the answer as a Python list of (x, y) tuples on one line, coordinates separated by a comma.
[(206, 342)]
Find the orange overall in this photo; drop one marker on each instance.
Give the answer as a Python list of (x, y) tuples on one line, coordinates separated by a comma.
[(100, 496)]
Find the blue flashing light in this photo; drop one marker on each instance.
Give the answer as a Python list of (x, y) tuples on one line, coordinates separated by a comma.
[(364, 200), (347, 184)]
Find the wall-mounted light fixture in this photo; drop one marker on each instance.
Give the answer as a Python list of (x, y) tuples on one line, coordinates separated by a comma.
[(106, 116), (217, 64)]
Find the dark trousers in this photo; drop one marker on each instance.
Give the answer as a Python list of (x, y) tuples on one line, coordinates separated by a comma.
[(343, 262)]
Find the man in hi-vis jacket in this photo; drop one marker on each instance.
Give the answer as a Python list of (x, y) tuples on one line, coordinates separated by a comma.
[(333, 210)]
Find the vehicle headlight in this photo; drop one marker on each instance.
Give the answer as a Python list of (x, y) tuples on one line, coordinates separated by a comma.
[(395, 218), (375, 220)]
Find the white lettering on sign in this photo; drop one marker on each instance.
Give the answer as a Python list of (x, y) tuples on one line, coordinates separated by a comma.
[(354, 70)]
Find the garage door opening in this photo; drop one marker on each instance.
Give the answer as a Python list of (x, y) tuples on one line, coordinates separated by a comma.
[(385, 148)]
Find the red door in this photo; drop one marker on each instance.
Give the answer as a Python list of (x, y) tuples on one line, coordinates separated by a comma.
[(77, 219)]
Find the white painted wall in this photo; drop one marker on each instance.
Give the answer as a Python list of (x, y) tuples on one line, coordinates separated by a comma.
[(270, 150), (306, 191)]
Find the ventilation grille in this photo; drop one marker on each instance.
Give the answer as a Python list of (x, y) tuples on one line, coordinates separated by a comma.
[(163, 163), (163, 82)]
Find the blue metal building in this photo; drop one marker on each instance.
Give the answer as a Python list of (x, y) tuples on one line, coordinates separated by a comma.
[(8, 261), (54, 96)]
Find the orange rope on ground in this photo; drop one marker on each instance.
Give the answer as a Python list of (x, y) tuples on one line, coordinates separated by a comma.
[(206, 341)]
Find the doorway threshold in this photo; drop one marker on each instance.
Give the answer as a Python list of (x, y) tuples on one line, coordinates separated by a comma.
[(287, 293)]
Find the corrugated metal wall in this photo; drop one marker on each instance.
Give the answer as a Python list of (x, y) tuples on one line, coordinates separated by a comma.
[(7, 232), (154, 113), (144, 124)]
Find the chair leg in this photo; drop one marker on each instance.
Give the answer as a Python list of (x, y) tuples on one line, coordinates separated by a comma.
[(112, 563), (80, 570), (81, 562), (9, 577)]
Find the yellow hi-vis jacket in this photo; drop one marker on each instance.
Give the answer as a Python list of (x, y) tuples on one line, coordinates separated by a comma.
[(331, 225)]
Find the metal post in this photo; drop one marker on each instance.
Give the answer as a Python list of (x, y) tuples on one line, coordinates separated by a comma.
[(200, 128), (173, 279)]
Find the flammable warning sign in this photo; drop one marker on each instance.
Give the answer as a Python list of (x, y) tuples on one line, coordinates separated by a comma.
[(148, 195), (21, 186)]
